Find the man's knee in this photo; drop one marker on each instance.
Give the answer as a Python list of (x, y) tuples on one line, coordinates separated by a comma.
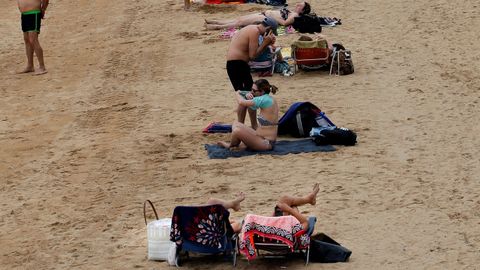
[(33, 38)]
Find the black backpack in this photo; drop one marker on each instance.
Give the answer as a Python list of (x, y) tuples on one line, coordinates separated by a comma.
[(307, 23), (299, 120), (335, 135)]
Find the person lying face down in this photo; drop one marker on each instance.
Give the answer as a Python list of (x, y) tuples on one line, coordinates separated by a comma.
[(258, 137), (283, 17)]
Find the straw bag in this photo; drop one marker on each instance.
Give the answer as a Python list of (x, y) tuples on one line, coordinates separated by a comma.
[(158, 235)]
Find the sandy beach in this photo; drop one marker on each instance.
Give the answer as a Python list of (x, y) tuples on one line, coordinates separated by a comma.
[(118, 120)]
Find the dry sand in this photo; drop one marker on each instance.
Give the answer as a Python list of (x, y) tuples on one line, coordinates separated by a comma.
[(118, 120)]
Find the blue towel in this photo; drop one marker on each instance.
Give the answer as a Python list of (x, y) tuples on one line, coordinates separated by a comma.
[(281, 148)]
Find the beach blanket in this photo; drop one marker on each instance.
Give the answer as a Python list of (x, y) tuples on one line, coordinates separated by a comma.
[(215, 127), (281, 148), (284, 229)]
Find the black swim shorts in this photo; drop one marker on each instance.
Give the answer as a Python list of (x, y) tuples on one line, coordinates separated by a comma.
[(239, 74), (31, 21)]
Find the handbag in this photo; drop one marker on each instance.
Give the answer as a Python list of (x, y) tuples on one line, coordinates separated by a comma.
[(158, 236), (324, 249)]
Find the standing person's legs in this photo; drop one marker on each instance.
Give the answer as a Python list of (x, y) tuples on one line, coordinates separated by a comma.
[(33, 37), (29, 53), (239, 74)]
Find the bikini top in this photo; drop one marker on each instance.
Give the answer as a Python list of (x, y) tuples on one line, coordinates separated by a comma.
[(263, 102)]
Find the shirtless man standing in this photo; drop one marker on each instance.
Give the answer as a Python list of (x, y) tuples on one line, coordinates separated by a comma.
[(243, 48), (33, 12)]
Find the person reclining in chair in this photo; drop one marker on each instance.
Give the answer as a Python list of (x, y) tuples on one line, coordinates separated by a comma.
[(288, 205)]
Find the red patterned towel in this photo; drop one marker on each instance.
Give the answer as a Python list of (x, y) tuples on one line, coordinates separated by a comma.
[(284, 229)]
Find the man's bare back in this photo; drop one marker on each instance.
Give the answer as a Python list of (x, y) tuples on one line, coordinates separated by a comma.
[(244, 45), (28, 5)]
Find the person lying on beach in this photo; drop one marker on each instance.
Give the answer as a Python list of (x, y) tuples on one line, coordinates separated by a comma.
[(258, 137), (283, 17)]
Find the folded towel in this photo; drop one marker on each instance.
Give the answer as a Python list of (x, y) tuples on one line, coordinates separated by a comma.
[(281, 148), (215, 127)]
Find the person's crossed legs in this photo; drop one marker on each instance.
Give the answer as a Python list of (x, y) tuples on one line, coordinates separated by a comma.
[(289, 204), (232, 204)]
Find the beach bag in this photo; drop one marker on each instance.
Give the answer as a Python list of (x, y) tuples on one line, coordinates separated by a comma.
[(324, 249), (299, 119), (159, 245), (307, 23), (333, 136), (341, 63)]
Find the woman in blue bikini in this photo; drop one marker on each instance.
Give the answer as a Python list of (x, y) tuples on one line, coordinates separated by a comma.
[(263, 137), (283, 17)]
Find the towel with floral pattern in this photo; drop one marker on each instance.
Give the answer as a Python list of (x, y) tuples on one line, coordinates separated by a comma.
[(284, 229), (207, 226)]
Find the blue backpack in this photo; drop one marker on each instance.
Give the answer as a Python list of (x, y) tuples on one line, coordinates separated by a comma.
[(300, 118)]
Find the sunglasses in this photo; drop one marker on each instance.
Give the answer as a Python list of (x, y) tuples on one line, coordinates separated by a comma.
[(256, 90)]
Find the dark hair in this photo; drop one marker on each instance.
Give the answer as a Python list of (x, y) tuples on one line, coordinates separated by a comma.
[(306, 9), (265, 86)]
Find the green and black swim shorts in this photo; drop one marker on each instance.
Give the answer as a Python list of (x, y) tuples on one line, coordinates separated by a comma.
[(31, 21)]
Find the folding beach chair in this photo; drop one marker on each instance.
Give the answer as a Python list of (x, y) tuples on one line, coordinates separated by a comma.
[(201, 229), (276, 241), (310, 55), (265, 62)]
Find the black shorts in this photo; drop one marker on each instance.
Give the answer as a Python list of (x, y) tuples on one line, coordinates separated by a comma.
[(31, 21), (239, 74)]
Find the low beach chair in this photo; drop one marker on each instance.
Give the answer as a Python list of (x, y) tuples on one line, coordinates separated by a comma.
[(265, 62), (202, 229), (277, 241), (310, 55)]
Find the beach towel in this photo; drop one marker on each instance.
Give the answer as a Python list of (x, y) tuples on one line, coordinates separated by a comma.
[(281, 148), (284, 229), (204, 229), (216, 127)]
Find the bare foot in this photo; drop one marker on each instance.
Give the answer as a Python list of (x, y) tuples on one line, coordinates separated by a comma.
[(40, 71), (237, 201), (313, 195), (26, 70), (223, 144)]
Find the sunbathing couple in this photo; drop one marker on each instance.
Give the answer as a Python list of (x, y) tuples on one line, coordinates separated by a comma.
[(286, 205), (283, 17)]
